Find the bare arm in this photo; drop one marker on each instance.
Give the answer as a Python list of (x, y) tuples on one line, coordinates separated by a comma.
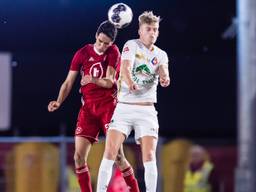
[(126, 75), (106, 82), (164, 75), (64, 91)]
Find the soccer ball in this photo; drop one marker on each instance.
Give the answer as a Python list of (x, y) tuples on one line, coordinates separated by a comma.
[(120, 15)]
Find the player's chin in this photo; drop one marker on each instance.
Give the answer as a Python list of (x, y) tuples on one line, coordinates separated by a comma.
[(165, 84)]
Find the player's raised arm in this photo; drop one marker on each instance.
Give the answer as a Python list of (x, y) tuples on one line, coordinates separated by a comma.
[(64, 91)]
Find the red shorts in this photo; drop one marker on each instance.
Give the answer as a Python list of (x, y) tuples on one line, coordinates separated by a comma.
[(93, 117)]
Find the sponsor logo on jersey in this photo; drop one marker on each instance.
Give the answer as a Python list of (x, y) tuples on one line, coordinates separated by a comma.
[(143, 69), (139, 56), (142, 57), (142, 75)]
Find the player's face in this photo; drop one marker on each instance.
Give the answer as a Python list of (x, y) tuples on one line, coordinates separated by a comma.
[(149, 33), (103, 42)]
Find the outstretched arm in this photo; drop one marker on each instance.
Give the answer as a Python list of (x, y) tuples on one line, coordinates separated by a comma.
[(164, 75), (64, 91)]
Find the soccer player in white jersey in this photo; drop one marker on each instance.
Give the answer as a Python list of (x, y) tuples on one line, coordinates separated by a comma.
[(143, 65)]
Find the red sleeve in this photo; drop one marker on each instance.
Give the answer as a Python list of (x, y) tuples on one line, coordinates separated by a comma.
[(113, 57), (77, 60)]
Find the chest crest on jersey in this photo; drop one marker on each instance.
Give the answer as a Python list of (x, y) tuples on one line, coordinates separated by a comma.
[(96, 70), (154, 61)]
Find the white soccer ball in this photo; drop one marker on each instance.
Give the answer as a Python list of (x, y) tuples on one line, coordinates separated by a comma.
[(120, 15)]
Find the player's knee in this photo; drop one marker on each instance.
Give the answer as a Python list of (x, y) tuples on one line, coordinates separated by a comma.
[(120, 160), (79, 159), (149, 156), (110, 152)]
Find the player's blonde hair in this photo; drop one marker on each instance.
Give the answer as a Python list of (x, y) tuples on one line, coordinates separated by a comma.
[(148, 17)]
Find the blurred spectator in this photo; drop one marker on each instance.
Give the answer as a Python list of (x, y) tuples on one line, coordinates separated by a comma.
[(200, 175)]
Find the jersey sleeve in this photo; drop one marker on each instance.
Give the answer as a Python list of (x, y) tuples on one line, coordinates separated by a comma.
[(164, 59), (76, 62), (129, 51), (113, 57)]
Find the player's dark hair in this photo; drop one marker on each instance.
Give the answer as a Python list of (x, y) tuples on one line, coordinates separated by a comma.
[(108, 29)]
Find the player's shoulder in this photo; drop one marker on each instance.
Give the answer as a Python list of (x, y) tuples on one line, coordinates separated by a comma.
[(132, 42), (159, 51), (113, 49), (85, 49)]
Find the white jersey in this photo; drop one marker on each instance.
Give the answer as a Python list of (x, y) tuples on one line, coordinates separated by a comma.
[(144, 69)]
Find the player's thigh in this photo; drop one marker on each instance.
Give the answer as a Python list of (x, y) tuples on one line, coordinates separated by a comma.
[(148, 148), (87, 126), (106, 115), (114, 139), (82, 147)]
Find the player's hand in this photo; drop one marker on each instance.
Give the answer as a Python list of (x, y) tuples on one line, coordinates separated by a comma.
[(133, 87), (164, 81), (85, 80), (53, 105)]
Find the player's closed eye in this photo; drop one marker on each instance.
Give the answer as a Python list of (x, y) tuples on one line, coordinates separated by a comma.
[(105, 43), (153, 29)]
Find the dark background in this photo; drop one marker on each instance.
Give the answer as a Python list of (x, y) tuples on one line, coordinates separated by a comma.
[(43, 35)]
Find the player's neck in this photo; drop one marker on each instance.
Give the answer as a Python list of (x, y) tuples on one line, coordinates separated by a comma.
[(148, 46), (96, 51)]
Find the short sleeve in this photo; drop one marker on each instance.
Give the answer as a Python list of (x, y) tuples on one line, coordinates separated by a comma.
[(113, 57), (77, 61), (129, 51), (164, 59)]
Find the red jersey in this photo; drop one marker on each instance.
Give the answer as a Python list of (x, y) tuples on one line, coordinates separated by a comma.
[(89, 62)]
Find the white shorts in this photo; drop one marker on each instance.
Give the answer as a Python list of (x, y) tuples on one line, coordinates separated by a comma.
[(142, 119)]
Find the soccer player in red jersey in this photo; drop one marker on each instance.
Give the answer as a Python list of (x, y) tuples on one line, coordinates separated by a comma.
[(98, 65)]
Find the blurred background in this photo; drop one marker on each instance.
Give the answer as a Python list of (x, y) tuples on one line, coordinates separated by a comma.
[(38, 39)]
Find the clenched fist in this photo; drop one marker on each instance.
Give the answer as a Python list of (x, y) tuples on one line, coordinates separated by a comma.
[(164, 81), (53, 105)]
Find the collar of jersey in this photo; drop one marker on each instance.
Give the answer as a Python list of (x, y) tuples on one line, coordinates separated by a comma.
[(97, 52)]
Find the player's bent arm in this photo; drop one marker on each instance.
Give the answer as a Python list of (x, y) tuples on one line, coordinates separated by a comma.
[(126, 72), (67, 86), (163, 71), (108, 81), (164, 75)]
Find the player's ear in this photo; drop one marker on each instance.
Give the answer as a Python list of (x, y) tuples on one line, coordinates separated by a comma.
[(96, 36), (139, 31)]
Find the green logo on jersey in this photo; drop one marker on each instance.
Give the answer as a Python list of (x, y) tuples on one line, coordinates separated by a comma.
[(142, 75), (143, 69)]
